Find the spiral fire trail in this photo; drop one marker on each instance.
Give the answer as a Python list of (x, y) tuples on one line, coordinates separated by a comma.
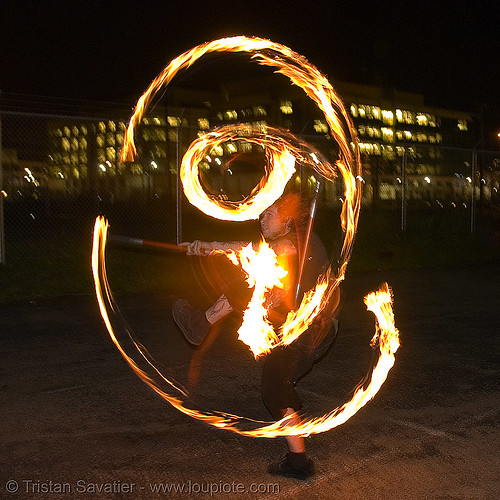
[(283, 151)]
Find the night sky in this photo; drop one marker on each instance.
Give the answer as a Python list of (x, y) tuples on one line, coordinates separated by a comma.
[(111, 50)]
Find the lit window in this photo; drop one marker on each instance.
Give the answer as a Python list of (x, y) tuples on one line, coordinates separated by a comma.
[(388, 152), (65, 143), (362, 130), (387, 134), (217, 151), (286, 107), (230, 114), (110, 139), (407, 135), (439, 138), (354, 110), (462, 125), (230, 148), (159, 135), (160, 151), (399, 135), (102, 127), (67, 131), (371, 112), (259, 111), (422, 119), (83, 128), (369, 148), (260, 125), (112, 126), (172, 136), (320, 126), (100, 140), (111, 154), (245, 147), (173, 121), (375, 112), (219, 116), (75, 130), (119, 138), (407, 117), (83, 143), (388, 117), (399, 115), (203, 123), (122, 126)]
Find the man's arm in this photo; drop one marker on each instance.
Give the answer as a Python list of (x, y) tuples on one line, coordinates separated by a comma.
[(203, 248)]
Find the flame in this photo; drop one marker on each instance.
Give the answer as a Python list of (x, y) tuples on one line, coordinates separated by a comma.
[(263, 273), (282, 151), (386, 338), (280, 156), (299, 320)]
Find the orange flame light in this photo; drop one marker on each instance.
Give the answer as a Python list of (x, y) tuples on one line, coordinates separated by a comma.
[(263, 273), (282, 151), (386, 336)]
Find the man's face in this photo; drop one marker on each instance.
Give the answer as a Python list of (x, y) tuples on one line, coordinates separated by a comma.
[(271, 225)]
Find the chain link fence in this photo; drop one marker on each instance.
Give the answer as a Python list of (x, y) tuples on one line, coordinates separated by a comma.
[(60, 171)]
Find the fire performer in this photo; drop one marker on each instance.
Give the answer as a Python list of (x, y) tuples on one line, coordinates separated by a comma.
[(283, 226)]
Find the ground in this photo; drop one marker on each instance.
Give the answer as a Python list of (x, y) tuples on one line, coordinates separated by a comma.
[(77, 422)]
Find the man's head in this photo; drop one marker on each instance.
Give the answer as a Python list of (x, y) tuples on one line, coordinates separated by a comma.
[(281, 217)]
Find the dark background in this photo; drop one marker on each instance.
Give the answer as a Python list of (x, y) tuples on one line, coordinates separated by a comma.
[(111, 50)]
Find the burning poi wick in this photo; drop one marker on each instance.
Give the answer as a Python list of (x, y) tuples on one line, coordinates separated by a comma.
[(282, 151)]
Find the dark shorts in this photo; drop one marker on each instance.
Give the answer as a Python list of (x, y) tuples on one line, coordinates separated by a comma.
[(284, 366)]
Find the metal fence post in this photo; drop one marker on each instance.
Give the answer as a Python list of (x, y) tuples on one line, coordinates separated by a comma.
[(178, 192), (473, 194), (2, 228), (403, 191)]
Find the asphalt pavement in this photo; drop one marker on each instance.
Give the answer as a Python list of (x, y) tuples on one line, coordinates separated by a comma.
[(78, 423)]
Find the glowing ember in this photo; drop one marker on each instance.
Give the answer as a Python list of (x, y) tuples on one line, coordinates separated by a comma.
[(282, 150)]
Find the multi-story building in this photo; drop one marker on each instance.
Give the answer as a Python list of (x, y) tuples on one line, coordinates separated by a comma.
[(394, 128)]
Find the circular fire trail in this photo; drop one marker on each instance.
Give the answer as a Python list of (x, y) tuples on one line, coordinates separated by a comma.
[(283, 150)]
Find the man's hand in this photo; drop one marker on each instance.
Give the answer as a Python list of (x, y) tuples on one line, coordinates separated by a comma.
[(200, 248)]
